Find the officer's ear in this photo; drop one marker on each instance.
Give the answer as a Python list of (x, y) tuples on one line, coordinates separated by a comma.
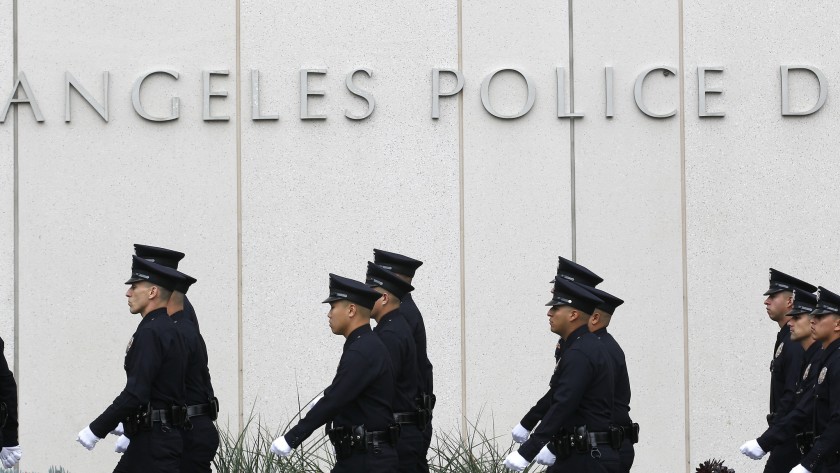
[(351, 310), (594, 318)]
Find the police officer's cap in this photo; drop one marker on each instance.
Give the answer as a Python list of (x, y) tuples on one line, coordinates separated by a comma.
[(571, 271), (575, 295), (780, 281), (377, 276), (342, 288), (185, 283), (159, 255), (154, 273), (610, 301), (803, 302), (827, 302), (395, 262)]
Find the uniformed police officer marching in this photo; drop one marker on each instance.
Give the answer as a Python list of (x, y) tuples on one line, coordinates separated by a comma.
[(791, 428), (406, 268), (11, 453), (155, 365), (579, 418), (200, 436), (358, 403), (786, 364), (395, 333)]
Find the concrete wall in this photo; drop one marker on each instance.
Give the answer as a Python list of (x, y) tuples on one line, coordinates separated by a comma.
[(682, 216)]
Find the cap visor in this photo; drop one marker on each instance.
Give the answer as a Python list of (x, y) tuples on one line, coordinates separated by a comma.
[(134, 280), (332, 299), (798, 312), (555, 303), (822, 312), (773, 291)]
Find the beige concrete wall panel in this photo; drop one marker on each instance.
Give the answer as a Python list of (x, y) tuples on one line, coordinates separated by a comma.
[(318, 196), (759, 187), (88, 190), (7, 237), (516, 204), (628, 205)]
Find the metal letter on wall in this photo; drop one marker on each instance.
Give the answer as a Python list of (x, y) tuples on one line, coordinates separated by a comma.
[(355, 90), (608, 85), (138, 106), (637, 92), (821, 80), (561, 96), (101, 109), (205, 80), (702, 90), (305, 93), (256, 114), (437, 94), (485, 96), (28, 97)]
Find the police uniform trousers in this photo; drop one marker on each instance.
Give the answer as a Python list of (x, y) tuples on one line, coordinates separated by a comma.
[(411, 449), (155, 451), (200, 445), (626, 455), (427, 437), (383, 461), (783, 458), (586, 463)]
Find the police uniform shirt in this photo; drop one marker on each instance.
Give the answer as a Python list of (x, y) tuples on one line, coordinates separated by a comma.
[(155, 363), (414, 319), (621, 403), (583, 394), (8, 394), (787, 360), (197, 384), (826, 409), (361, 393), (189, 313), (536, 413), (395, 333)]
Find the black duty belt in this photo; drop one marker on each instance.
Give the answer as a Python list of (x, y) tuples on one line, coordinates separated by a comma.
[(406, 418), (601, 438), (164, 416), (201, 410)]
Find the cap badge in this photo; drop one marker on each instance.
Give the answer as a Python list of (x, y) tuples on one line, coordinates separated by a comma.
[(567, 277), (822, 375), (339, 294), (779, 350), (151, 260), (376, 281), (139, 275), (130, 342), (389, 268)]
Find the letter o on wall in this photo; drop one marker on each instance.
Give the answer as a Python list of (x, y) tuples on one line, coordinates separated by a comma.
[(485, 95)]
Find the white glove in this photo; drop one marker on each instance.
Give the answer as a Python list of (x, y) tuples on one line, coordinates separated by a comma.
[(122, 444), (87, 438), (545, 457), (314, 401), (800, 469), (9, 456), (280, 448), (753, 450), (515, 462), (119, 430), (520, 434)]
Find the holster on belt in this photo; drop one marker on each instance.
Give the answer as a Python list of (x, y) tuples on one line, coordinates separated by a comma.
[(141, 419), (340, 438), (616, 436), (4, 414), (425, 406), (632, 432), (394, 431), (215, 411), (804, 442), (562, 446), (580, 439)]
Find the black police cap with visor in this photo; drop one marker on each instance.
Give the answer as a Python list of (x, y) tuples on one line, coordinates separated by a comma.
[(153, 273), (827, 303), (342, 288), (803, 303), (377, 276), (571, 271), (166, 257), (395, 262), (780, 282), (575, 295), (610, 301)]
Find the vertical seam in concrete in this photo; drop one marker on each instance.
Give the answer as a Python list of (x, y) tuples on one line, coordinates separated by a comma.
[(16, 205), (572, 190), (686, 379), (461, 229), (240, 376)]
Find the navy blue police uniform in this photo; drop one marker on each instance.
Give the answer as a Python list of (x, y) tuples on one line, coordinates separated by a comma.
[(155, 363), (407, 266), (784, 374), (170, 259), (357, 405), (395, 333), (8, 402), (578, 420)]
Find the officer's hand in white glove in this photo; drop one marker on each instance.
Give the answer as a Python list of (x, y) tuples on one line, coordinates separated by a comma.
[(520, 434), (753, 450), (87, 438), (800, 469), (122, 444), (280, 448), (314, 401), (9, 456), (545, 457), (515, 462), (119, 430)]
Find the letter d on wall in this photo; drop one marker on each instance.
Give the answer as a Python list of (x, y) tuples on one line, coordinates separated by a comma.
[(821, 80)]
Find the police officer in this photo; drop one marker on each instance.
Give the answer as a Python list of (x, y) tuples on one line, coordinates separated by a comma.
[(791, 427), (358, 403), (11, 453), (406, 268), (578, 421), (155, 364), (785, 366), (395, 333), (825, 325), (200, 437), (570, 271)]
